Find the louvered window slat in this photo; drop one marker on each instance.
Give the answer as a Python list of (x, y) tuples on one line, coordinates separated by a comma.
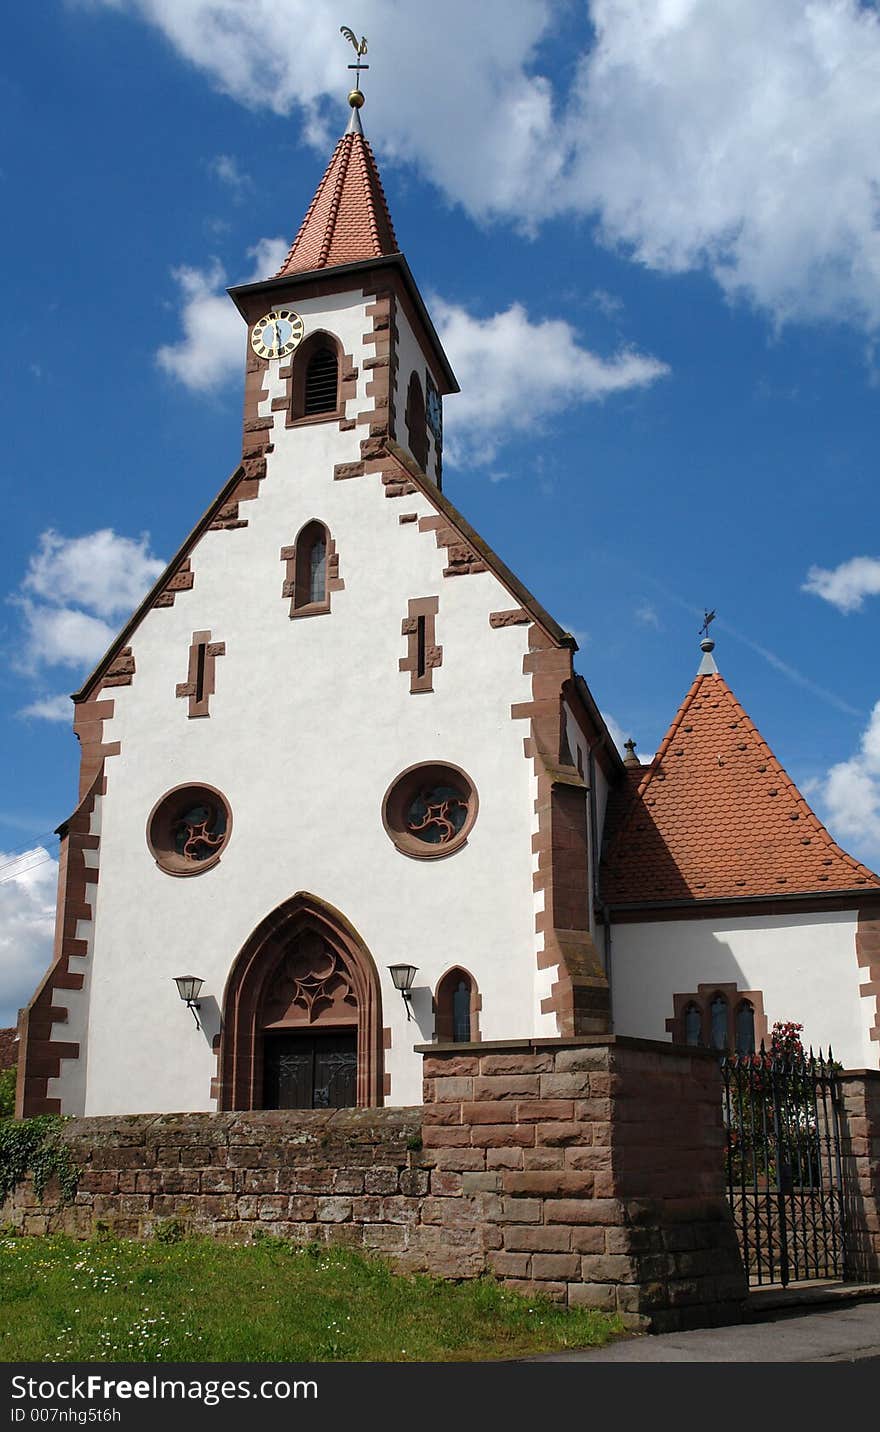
[(321, 383)]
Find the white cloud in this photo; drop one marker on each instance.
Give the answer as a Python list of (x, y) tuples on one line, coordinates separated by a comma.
[(61, 636), (847, 585), (647, 615), (211, 351), (226, 168), (102, 571), (49, 708), (850, 793), (71, 587), (607, 303), (514, 372), (27, 922), (733, 136)]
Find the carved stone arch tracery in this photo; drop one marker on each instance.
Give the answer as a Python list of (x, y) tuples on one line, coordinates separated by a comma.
[(303, 966)]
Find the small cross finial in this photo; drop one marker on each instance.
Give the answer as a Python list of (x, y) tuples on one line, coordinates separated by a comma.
[(708, 619), (356, 97), (630, 759)]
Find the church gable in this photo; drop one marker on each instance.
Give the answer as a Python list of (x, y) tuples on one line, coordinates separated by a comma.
[(336, 686)]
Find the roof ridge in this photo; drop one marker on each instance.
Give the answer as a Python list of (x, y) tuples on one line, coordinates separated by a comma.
[(376, 183), (312, 206), (333, 213), (654, 765)]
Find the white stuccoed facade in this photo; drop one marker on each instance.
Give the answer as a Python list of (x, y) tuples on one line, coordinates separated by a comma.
[(310, 723), (804, 965)]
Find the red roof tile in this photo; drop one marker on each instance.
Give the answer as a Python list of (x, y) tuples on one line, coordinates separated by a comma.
[(348, 218), (715, 816)]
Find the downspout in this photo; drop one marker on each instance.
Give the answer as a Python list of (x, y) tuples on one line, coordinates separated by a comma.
[(597, 899)]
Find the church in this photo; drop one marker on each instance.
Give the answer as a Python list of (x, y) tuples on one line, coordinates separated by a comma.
[(343, 794)]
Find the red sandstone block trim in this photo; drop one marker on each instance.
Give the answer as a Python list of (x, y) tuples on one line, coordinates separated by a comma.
[(40, 1054), (868, 956), (517, 617)]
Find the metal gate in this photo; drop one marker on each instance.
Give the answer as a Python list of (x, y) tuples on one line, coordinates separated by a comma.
[(783, 1164)]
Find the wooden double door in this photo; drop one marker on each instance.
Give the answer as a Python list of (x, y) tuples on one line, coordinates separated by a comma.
[(310, 1071)]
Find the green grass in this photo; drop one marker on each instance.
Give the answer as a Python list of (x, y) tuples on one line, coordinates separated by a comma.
[(115, 1300)]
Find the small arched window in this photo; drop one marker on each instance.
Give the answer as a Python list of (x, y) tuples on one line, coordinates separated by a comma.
[(718, 1017), (456, 1006), (310, 579), (693, 1024), (316, 391), (417, 422), (745, 1028)]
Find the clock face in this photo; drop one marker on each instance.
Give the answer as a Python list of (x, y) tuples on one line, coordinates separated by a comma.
[(434, 408), (277, 333)]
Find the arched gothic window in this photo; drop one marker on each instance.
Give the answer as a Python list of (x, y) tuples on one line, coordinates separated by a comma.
[(718, 1022), (693, 1024), (456, 1005), (310, 578), (417, 422), (745, 1028), (315, 391)]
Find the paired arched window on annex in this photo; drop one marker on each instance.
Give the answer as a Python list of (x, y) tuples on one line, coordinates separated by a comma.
[(457, 1006), (316, 388), (729, 1027)]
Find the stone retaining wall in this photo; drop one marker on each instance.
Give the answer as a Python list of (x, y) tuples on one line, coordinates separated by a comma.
[(588, 1169), (860, 1148)]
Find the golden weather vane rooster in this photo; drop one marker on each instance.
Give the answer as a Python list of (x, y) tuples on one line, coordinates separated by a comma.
[(359, 46)]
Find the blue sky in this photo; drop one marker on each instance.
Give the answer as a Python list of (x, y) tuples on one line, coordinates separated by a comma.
[(648, 233)]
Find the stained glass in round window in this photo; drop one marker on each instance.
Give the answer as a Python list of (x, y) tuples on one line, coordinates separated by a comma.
[(188, 828), (429, 810)]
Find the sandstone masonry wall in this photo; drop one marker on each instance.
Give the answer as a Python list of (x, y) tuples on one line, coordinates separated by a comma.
[(860, 1147), (590, 1170)]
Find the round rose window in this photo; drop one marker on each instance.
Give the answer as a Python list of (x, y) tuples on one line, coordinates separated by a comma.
[(429, 810), (188, 829)]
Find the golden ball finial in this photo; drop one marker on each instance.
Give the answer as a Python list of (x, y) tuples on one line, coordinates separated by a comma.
[(356, 98)]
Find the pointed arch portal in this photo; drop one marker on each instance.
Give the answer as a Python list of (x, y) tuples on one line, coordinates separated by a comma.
[(302, 1014)]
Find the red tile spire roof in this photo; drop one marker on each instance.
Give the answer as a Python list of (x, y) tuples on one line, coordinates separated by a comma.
[(348, 219), (715, 817)]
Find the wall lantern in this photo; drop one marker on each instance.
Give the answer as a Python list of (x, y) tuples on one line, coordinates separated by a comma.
[(188, 987), (403, 976)]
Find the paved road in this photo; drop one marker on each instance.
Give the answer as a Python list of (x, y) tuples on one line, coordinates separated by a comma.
[(846, 1334)]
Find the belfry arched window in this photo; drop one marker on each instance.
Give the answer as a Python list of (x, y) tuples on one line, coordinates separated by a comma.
[(316, 389), (417, 422), (457, 1005)]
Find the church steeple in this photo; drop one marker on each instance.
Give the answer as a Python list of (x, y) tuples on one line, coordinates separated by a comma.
[(341, 335), (348, 219)]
